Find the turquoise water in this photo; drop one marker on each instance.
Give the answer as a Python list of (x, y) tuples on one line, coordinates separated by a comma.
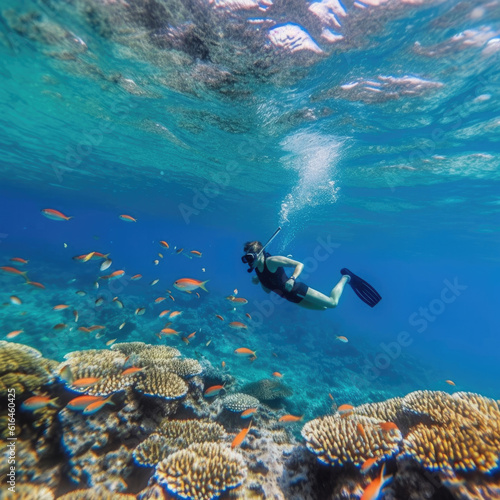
[(367, 131)]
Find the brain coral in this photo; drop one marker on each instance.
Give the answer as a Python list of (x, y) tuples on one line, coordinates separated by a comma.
[(22, 368), (201, 472), (354, 439), (239, 402)]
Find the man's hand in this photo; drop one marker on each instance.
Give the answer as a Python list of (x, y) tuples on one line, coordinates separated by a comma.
[(289, 285), (255, 280)]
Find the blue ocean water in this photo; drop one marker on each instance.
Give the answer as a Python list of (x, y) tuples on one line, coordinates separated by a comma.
[(367, 131)]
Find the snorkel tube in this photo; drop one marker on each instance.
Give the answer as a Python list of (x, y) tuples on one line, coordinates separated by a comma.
[(251, 257)]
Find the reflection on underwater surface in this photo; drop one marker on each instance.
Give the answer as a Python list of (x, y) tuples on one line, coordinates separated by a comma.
[(143, 142)]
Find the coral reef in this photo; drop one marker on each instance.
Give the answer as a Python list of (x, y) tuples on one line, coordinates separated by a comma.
[(201, 472), (22, 368), (239, 402), (354, 439), (158, 437), (267, 390)]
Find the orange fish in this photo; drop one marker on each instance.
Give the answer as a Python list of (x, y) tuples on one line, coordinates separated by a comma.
[(244, 351), (248, 413), (66, 375), (15, 300), (219, 316), (164, 244), (127, 218), (331, 397), (368, 464), (237, 325), (373, 490), (342, 338), (95, 407), (13, 334), (81, 402), (173, 314), (237, 301), (450, 382), (75, 314), (290, 418), (96, 327), (191, 335), (131, 371), (197, 294), (155, 262), (345, 409), (86, 382), (361, 430), (240, 437), (179, 250), (277, 374), (54, 214), (159, 299), (195, 252), (160, 255), (136, 277), (213, 391), (35, 284), (60, 307), (113, 276), (140, 311), (185, 340), (112, 341), (248, 316), (84, 329), (223, 364), (60, 326), (172, 298), (37, 402), (13, 270), (188, 284), (169, 331), (19, 260), (163, 313), (388, 426), (90, 256)]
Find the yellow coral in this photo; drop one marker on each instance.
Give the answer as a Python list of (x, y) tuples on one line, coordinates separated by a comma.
[(22, 368), (386, 411), (94, 494), (454, 446), (152, 450), (354, 439), (158, 381), (201, 472), (181, 433), (28, 492), (185, 368), (459, 432)]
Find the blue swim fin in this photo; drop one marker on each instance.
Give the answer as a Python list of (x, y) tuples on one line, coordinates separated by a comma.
[(362, 289)]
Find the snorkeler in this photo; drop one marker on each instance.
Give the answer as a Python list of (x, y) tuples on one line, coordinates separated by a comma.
[(272, 277)]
